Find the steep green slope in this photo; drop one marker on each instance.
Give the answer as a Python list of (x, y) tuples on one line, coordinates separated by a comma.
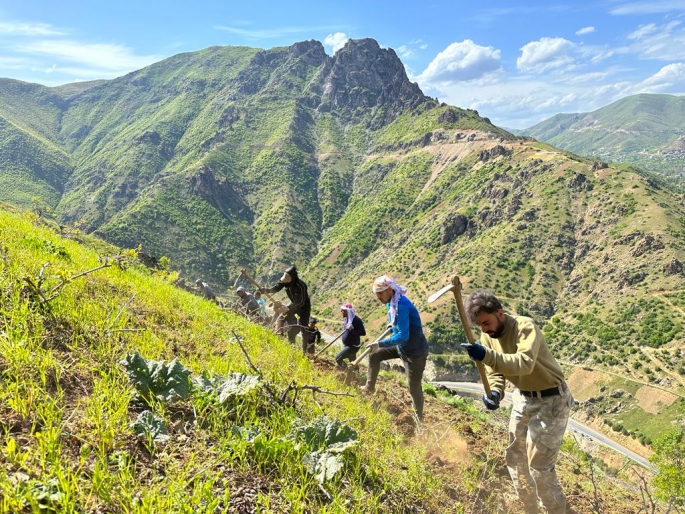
[(646, 130), (67, 406), (32, 162), (30, 166), (71, 410)]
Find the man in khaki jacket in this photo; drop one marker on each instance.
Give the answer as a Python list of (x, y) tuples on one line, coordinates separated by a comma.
[(513, 348)]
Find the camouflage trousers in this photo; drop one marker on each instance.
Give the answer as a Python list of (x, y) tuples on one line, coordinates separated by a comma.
[(536, 428)]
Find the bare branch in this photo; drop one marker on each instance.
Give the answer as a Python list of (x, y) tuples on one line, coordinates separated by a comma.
[(316, 389), (247, 355), (122, 310), (239, 340)]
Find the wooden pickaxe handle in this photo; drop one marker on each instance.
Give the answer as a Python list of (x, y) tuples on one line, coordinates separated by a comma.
[(467, 330), (353, 365), (279, 308), (334, 340), (366, 352)]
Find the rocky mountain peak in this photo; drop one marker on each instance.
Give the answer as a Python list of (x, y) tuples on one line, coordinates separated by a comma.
[(312, 50), (363, 76)]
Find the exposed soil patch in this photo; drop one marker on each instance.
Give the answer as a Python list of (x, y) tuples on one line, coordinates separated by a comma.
[(653, 400), (585, 384), (334, 254)]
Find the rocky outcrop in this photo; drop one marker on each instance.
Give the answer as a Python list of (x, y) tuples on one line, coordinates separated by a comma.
[(454, 226), (580, 182), (495, 151), (648, 244), (626, 278), (673, 267), (220, 193), (362, 76)]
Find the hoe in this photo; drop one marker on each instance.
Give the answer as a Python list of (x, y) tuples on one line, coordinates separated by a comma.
[(455, 287), (352, 366)]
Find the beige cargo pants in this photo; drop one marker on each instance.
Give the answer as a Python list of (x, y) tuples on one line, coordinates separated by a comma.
[(536, 428)]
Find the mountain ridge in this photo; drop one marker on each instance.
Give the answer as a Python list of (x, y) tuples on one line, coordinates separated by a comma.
[(644, 130)]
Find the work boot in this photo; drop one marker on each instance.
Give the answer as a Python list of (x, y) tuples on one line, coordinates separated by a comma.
[(367, 390)]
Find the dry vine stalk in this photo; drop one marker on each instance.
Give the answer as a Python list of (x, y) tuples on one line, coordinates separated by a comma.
[(34, 286), (282, 398)]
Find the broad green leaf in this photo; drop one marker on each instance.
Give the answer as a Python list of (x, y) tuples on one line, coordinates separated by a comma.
[(325, 433), (149, 426), (227, 387), (324, 466), (168, 382)]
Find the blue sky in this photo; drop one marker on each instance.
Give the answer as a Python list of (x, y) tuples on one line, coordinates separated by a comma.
[(515, 62)]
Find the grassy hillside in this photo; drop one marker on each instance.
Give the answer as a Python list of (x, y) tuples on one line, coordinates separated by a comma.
[(236, 157), (71, 413), (645, 130)]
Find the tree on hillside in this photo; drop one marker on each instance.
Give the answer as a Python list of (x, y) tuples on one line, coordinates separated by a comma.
[(669, 458)]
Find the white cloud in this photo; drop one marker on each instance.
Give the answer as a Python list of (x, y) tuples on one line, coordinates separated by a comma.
[(110, 58), (271, 33), (462, 61), (405, 52), (669, 79), (411, 49), (14, 63), (642, 31), (545, 54), (659, 42), (29, 29), (585, 30), (655, 6), (336, 41)]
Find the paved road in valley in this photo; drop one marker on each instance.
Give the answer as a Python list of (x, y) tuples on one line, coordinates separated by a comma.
[(476, 390)]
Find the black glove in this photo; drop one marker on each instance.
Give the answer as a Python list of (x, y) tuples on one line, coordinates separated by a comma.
[(476, 350), (492, 403)]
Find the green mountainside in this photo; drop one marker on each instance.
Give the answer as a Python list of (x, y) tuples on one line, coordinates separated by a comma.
[(237, 157), (122, 393), (646, 130)]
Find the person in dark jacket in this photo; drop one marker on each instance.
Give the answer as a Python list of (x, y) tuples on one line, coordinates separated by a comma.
[(314, 333), (248, 302), (300, 305), (407, 341), (353, 328)]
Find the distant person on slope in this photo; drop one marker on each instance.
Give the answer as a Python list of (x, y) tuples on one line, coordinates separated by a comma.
[(513, 348), (262, 304), (247, 301), (300, 305), (407, 341), (351, 339), (314, 333), (205, 290)]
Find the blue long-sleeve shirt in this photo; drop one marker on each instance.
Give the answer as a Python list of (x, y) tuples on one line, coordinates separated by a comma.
[(407, 331)]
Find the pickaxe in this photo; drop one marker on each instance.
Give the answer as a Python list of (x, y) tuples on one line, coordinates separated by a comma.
[(352, 366), (334, 340), (279, 308), (455, 287)]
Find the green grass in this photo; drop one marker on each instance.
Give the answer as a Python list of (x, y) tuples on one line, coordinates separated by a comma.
[(67, 404)]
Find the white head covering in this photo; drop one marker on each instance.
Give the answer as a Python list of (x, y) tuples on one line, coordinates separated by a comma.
[(387, 282), (347, 307)]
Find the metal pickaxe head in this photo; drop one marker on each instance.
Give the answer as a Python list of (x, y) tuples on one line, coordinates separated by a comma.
[(439, 293), (454, 286)]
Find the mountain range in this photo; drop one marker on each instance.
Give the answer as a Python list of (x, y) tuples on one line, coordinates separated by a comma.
[(235, 157), (647, 130)]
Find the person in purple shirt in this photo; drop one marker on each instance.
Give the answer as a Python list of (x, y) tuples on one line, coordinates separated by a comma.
[(407, 341)]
